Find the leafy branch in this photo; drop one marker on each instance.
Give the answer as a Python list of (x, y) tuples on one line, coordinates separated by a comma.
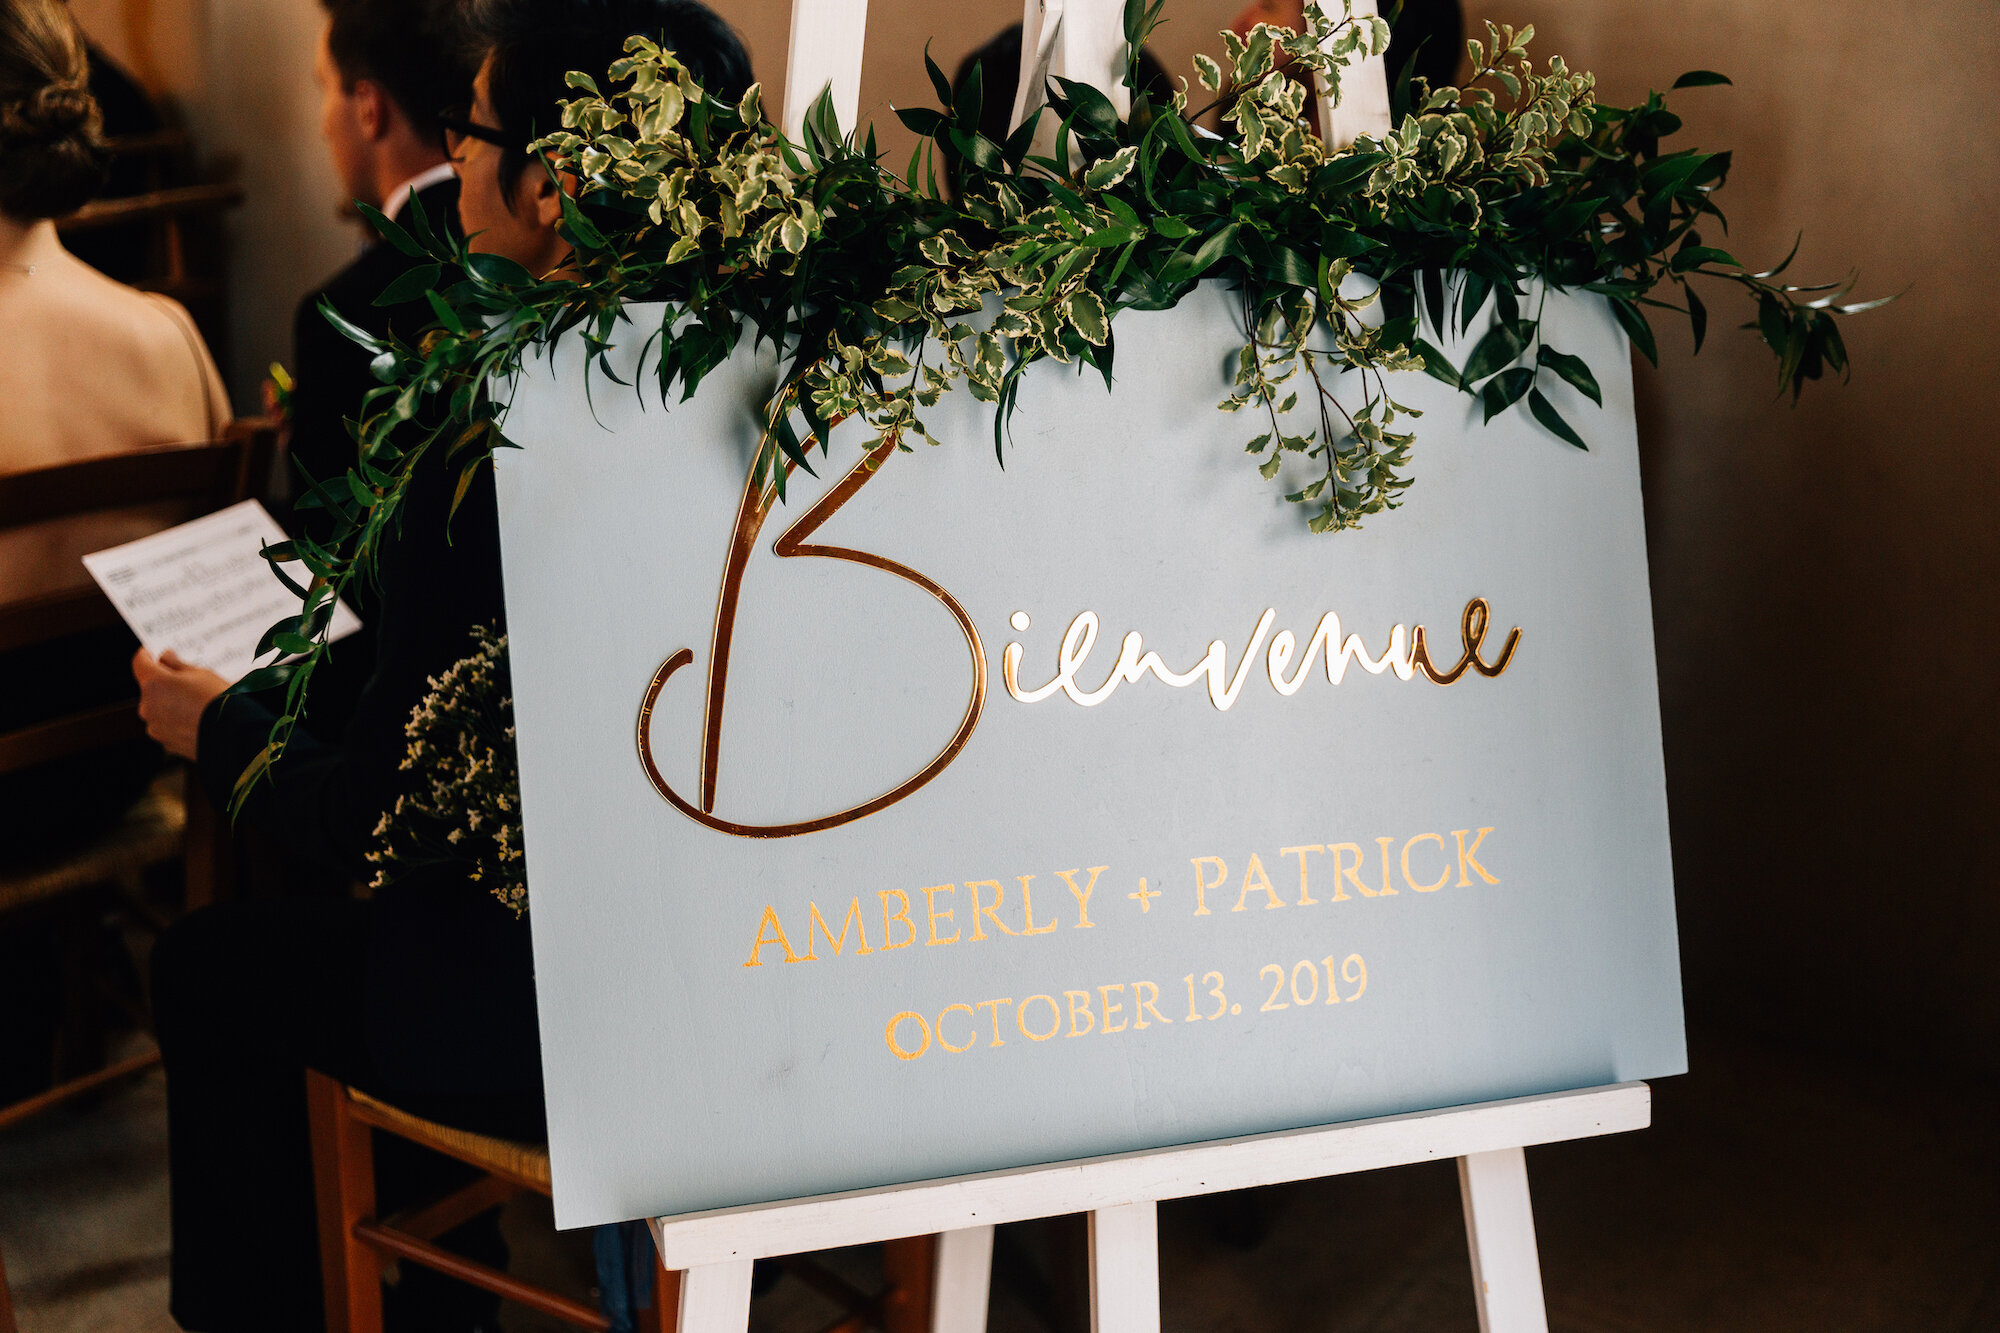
[(881, 291)]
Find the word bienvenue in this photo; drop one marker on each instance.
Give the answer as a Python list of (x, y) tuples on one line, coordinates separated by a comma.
[(1407, 655)]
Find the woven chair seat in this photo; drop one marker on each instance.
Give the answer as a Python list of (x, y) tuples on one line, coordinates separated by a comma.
[(149, 833), (523, 1163)]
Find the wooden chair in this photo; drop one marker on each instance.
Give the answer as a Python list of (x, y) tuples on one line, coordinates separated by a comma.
[(178, 225), (355, 1244), (172, 819), (203, 477)]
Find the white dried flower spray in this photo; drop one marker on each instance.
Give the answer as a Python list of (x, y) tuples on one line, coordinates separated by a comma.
[(464, 811)]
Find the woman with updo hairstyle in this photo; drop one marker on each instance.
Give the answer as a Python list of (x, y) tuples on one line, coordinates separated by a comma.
[(54, 161), (90, 367)]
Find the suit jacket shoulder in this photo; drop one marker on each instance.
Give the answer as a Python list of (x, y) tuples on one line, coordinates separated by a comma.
[(331, 372)]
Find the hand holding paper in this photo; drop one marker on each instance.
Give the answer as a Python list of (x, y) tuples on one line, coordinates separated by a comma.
[(204, 591), (172, 697)]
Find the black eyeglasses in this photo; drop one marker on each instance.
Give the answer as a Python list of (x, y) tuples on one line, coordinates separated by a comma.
[(455, 129)]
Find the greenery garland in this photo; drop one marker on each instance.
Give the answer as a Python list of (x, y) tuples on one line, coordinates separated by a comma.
[(871, 283)]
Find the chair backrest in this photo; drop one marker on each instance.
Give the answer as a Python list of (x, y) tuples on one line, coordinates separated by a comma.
[(203, 477), (163, 231)]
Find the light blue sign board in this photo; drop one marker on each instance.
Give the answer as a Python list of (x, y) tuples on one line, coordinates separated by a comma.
[(680, 1079)]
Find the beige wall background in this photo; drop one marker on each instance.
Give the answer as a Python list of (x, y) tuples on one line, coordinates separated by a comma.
[(1822, 575), (240, 74)]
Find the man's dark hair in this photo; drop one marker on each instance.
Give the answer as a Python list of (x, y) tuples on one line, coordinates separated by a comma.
[(411, 49), (533, 44)]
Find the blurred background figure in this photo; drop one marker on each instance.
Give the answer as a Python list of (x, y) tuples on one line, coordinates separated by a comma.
[(385, 70), (122, 252), (421, 993), (93, 367)]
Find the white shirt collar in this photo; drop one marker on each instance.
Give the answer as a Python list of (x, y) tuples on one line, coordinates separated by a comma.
[(392, 203)]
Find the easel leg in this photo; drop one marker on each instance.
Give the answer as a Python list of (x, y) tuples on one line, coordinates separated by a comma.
[(1125, 1269), (666, 1299), (964, 1275), (715, 1298), (1500, 1233)]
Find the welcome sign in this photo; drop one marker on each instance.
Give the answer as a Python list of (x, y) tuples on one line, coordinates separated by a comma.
[(947, 817)]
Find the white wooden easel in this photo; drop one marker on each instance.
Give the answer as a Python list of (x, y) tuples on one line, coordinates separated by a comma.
[(715, 1250)]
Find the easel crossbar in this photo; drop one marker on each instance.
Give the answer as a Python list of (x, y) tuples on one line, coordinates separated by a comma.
[(857, 1217)]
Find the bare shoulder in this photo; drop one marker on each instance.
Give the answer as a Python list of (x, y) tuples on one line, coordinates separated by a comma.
[(140, 347), (136, 327)]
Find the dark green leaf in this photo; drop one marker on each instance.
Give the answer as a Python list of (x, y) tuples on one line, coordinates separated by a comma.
[(1545, 412), (1091, 108), (1697, 255), (1633, 321), (1344, 175), (352, 331), (966, 103), (1472, 300), (1700, 78), (410, 284), (445, 314), (498, 270), (580, 229), (1501, 346), (1573, 370), (938, 80), (389, 231), (976, 148), (420, 227), (1110, 236), (1211, 250), (1431, 284), (265, 678), (269, 639), (1289, 266), (1505, 390), (1772, 323), (1436, 364)]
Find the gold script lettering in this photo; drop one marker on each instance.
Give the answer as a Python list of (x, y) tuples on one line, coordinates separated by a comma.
[(1406, 654), (750, 516), (1472, 626)]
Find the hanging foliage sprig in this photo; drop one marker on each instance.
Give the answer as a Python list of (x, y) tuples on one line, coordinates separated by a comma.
[(1350, 265)]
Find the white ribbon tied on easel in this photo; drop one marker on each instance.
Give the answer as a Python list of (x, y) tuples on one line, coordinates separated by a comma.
[(1080, 40)]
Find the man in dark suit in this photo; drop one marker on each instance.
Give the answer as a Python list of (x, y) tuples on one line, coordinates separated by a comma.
[(422, 994), (386, 70)]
